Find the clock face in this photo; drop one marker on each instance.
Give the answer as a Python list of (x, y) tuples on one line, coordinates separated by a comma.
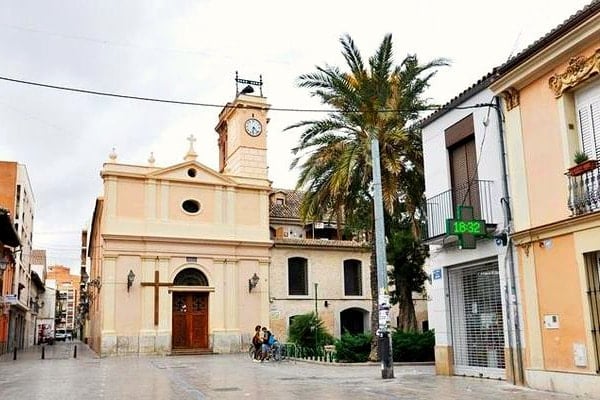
[(253, 127)]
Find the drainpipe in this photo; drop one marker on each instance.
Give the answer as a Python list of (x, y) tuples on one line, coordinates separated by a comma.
[(510, 256)]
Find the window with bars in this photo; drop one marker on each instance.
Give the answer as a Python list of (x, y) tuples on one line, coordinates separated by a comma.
[(352, 278), (592, 266), (298, 276)]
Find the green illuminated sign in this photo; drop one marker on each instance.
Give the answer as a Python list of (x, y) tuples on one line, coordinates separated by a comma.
[(465, 227), (458, 227)]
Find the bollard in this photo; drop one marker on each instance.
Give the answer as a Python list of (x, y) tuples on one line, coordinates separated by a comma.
[(75, 352), (14, 353), (43, 352)]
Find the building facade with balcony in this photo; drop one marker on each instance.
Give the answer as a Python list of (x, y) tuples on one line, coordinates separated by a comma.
[(9, 241), (41, 306), (16, 195), (314, 268), (466, 185), (67, 298), (551, 101)]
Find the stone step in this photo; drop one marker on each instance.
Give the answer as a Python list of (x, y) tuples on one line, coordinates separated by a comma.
[(191, 352)]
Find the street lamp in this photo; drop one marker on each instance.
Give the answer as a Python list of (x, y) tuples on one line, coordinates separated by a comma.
[(4, 262), (252, 282), (130, 278)]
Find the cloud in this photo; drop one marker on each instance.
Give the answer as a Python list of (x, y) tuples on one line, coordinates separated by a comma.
[(190, 50)]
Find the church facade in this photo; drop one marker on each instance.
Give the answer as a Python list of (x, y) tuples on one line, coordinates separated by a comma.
[(184, 258)]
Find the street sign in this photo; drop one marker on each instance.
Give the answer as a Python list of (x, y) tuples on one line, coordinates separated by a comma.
[(10, 298)]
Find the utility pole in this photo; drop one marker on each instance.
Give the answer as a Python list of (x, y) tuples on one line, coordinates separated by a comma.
[(383, 298)]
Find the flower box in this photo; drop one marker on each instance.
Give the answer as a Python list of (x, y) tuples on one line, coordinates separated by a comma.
[(583, 167)]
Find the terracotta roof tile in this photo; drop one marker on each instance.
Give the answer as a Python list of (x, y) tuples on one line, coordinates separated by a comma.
[(574, 20), (291, 206), (320, 243)]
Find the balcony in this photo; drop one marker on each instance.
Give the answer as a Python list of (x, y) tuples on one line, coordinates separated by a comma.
[(443, 206), (584, 192)]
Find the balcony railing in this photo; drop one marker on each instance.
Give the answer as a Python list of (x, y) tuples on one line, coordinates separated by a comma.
[(443, 206), (584, 192)]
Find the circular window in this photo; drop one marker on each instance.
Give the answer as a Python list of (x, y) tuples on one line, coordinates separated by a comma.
[(191, 206), (191, 172)]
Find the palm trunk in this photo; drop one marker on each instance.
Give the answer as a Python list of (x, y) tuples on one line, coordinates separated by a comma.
[(407, 319)]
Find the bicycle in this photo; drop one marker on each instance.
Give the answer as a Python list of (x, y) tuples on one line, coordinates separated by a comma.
[(252, 351), (276, 352)]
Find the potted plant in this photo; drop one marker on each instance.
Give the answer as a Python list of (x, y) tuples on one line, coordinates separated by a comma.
[(582, 164)]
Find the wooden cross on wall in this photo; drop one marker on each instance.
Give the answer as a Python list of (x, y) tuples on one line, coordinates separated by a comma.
[(156, 285)]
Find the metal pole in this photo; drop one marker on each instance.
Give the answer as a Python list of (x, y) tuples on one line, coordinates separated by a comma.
[(316, 309), (316, 322), (383, 299)]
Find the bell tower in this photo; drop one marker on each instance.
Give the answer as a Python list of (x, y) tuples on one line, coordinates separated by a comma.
[(242, 132)]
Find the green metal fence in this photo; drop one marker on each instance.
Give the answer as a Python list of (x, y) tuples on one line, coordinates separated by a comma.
[(320, 353)]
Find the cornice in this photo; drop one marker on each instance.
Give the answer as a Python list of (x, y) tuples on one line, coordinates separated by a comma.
[(167, 239), (559, 228), (549, 57), (579, 70)]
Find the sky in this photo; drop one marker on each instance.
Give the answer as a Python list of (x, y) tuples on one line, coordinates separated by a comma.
[(189, 50)]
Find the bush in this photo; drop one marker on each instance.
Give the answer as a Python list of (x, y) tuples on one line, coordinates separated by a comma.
[(353, 348), (413, 346), (302, 331)]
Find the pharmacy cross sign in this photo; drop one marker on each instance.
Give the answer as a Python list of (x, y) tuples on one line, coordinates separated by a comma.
[(465, 227), (156, 285)]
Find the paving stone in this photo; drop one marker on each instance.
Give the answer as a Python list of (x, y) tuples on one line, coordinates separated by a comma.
[(229, 376)]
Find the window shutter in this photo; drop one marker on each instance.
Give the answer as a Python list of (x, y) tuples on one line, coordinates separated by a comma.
[(463, 170), (297, 276), (588, 115)]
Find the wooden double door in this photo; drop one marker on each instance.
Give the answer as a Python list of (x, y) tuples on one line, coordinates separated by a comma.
[(190, 320)]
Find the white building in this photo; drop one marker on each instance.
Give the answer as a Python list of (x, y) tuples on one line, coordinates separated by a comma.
[(462, 149), (41, 309)]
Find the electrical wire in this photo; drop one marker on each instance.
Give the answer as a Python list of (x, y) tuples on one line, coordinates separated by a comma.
[(475, 171), (214, 105)]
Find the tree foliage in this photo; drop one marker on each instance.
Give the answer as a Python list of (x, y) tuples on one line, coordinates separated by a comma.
[(372, 99), (353, 348), (307, 330)]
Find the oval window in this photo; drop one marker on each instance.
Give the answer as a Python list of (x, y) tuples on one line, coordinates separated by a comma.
[(191, 172), (191, 206)]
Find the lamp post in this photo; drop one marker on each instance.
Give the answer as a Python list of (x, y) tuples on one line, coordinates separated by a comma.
[(383, 299)]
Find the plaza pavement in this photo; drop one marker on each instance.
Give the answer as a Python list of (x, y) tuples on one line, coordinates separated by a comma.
[(228, 376)]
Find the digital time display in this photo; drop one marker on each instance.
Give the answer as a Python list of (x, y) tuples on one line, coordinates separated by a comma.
[(460, 227)]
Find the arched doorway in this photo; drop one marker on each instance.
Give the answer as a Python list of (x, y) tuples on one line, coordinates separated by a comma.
[(352, 321), (190, 311)]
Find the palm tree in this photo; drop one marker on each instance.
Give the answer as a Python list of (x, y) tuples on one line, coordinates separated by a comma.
[(334, 153)]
